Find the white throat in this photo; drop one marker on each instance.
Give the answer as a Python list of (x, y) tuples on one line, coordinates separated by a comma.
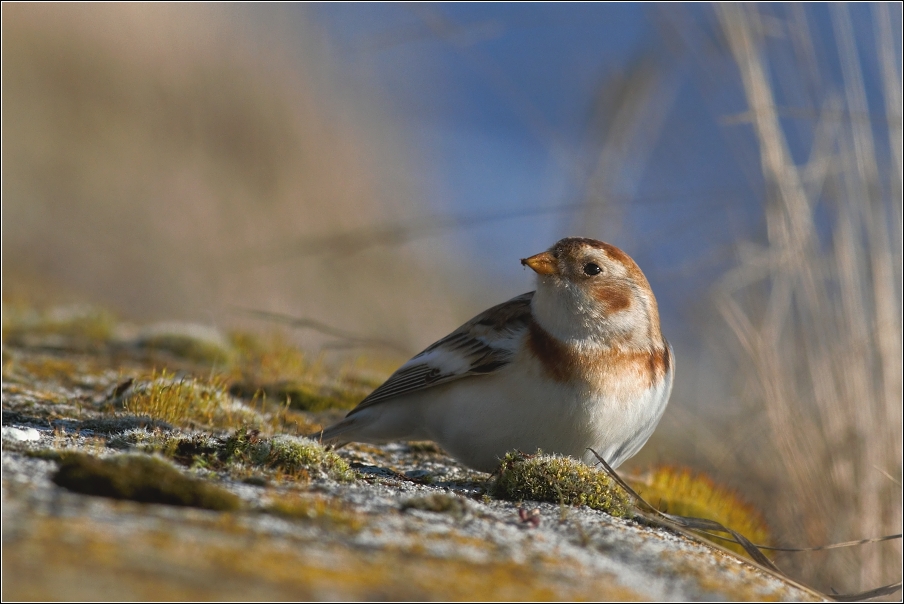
[(570, 315), (567, 315)]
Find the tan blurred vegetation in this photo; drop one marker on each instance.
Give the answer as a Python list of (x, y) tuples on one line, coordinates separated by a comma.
[(818, 324), (165, 161), (811, 347)]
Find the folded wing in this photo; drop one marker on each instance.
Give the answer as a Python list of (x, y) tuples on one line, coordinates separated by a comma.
[(485, 344)]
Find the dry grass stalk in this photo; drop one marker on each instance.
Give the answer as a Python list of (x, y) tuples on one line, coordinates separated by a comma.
[(824, 346)]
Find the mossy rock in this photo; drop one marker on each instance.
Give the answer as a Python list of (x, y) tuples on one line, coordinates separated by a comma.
[(558, 479), (141, 478)]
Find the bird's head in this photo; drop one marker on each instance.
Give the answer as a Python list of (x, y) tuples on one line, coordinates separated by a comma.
[(591, 292)]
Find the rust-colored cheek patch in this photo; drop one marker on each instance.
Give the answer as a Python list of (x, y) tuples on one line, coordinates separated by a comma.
[(613, 298)]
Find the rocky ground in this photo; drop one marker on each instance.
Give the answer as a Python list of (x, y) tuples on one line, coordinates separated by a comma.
[(162, 463)]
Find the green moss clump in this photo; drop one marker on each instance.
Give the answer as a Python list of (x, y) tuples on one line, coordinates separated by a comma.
[(290, 454), (246, 446), (140, 478), (558, 479)]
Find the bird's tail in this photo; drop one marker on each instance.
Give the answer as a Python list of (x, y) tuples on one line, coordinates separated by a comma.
[(332, 436)]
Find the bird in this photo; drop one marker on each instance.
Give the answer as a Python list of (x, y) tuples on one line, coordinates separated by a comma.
[(578, 366)]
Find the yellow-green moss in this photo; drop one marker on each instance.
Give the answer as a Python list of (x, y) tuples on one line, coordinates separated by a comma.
[(289, 454), (558, 479), (141, 478), (683, 492), (188, 402)]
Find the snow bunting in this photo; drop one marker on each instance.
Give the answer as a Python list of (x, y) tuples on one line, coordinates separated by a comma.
[(579, 363)]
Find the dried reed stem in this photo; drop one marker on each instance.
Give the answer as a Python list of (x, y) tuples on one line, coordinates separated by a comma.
[(824, 347)]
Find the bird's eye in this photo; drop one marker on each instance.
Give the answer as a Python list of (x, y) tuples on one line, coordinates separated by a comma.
[(592, 269)]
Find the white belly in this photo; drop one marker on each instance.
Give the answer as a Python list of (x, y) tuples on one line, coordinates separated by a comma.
[(478, 419)]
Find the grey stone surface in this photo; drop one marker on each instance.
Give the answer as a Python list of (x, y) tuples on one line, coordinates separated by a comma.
[(373, 538)]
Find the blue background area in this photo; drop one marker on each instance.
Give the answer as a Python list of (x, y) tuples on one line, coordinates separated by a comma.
[(492, 97)]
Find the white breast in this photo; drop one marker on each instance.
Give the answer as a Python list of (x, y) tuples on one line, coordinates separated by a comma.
[(519, 408)]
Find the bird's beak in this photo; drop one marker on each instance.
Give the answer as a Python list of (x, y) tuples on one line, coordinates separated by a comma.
[(542, 264)]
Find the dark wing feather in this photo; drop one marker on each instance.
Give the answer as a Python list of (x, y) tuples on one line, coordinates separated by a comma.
[(485, 344)]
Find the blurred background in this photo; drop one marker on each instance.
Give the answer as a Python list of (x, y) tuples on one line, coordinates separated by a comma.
[(382, 169)]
